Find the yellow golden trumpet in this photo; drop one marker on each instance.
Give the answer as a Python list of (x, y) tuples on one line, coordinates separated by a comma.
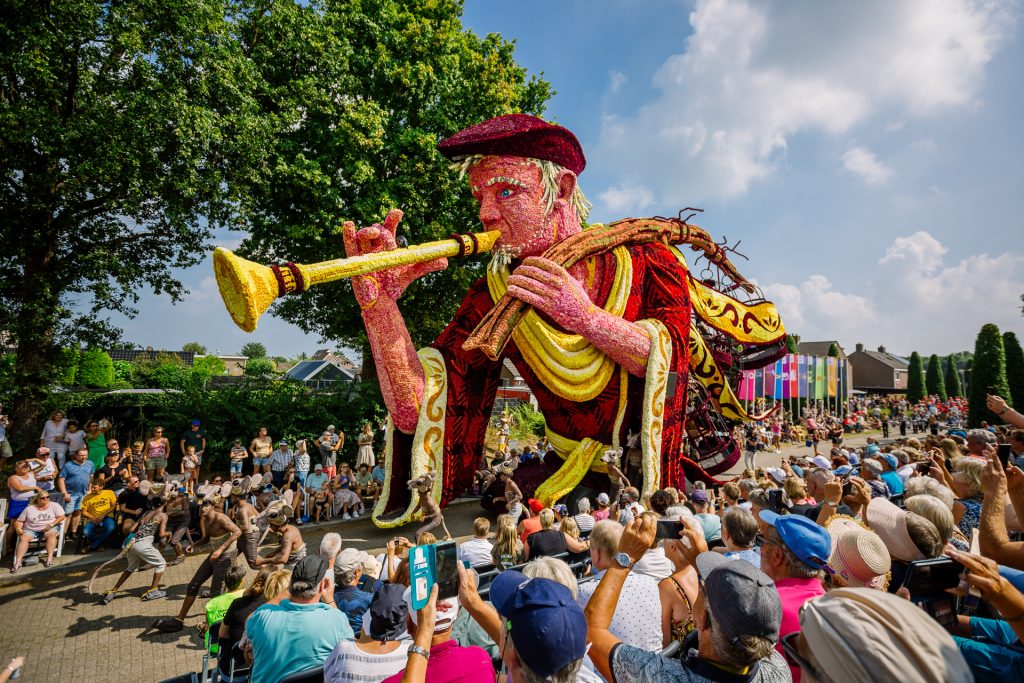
[(249, 288)]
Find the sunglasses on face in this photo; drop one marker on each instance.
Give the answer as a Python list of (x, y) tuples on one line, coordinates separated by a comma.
[(216, 481)]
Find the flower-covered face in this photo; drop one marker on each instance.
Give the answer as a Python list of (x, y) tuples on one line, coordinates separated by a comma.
[(510, 191)]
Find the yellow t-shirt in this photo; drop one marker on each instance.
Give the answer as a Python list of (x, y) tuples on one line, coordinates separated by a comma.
[(100, 504)]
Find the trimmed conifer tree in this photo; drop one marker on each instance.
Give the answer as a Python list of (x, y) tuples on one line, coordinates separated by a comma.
[(953, 386), (988, 375), (915, 378), (1014, 369), (933, 378)]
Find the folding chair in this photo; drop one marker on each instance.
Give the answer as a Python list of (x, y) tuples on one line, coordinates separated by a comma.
[(314, 675)]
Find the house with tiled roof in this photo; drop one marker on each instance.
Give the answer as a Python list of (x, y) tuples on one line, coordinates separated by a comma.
[(879, 371)]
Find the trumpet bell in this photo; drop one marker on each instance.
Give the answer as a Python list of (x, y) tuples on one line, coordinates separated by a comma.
[(247, 288)]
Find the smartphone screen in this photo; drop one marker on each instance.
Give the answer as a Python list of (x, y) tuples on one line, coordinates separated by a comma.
[(1004, 454), (933, 576), (446, 570), (775, 500), (716, 488), (847, 489), (421, 574), (668, 529), (366, 583)]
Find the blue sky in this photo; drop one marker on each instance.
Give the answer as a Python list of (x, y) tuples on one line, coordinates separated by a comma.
[(867, 154)]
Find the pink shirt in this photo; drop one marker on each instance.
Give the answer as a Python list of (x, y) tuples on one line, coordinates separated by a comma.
[(451, 662), (35, 519), (794, 593), (600, 514)]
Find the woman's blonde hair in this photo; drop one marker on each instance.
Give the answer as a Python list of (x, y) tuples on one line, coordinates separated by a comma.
[(570, 528), (277, 583), (425, 538), (950, 449), (935, 511), (547, 518), (968, 471), (795, 488), (506, 540)]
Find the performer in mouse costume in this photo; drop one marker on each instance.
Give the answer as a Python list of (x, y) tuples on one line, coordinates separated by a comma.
[(598, 322), (426, 503)]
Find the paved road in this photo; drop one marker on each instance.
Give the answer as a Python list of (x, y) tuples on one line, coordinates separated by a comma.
[(68, 636)]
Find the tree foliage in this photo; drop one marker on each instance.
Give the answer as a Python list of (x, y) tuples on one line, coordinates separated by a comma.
[(254, 350), (988, 375), (833, 350), (387, 81), (96, 369), (934, 382), (194, 347), (915, 378), (259, 367), (791, 346), (1014, 368), (122, 127), (131, 131), (953, 385)]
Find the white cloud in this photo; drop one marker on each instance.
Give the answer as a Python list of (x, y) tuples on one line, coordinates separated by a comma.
[(863, 162), (753, 75), (616, 79), (629, 197), (910, 300)]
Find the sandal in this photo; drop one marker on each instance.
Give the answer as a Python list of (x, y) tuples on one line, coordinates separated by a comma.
[(47, 563), (15, 570)]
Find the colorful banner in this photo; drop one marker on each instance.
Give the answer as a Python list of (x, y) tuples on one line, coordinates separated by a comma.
[(769, 381), (780, 380), (844, 379), (833, 376), (802, 383), (759, 383), (819, 378), (745, 391), (794, 376), (784, 378)]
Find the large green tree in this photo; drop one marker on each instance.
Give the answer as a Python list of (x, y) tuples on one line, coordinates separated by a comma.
[(122, 125), (131, 132), (365, 112), (933, 378), (988, 375), (953, 385), (1014, 368), (915, 378)]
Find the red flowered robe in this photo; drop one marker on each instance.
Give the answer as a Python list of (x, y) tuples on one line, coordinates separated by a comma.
[(658, 292)]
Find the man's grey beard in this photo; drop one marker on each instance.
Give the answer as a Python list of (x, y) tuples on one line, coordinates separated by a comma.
[(503, 256)]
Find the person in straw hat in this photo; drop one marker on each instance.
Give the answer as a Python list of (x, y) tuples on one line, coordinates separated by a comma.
[(859, 557)]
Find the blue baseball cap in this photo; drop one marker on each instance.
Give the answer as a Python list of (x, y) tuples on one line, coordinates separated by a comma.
[(195, 423), (797, 470), (810, 542), (890, 460), (842, 470), (548, 627), (872, 449)]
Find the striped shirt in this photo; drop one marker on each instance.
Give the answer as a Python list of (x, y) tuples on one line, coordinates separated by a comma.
[(279, 460), (348, 663)]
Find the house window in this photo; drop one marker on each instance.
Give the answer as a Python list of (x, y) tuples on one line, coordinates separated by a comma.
[(897, 375)]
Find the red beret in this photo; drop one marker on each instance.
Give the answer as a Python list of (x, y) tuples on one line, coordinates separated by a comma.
[(519, 135)]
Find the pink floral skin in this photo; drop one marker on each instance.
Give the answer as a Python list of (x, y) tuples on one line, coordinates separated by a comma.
[(510, 192)]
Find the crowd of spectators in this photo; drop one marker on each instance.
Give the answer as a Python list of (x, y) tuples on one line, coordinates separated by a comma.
[(895, 561)]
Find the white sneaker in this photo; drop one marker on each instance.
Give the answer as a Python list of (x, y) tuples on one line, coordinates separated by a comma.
[(346, 516), (356, 513)]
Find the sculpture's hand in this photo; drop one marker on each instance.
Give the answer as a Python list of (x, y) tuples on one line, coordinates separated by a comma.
[(390, 282), (550, 288)]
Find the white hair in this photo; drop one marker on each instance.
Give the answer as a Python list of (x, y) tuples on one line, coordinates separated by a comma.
[(549, 171), (553, 569), (330, 546)]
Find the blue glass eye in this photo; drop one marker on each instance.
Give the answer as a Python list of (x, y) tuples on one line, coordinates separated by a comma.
[(505, 194)]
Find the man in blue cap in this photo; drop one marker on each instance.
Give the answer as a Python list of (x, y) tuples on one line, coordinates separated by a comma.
[(889, 466), (794, 552), (537, 625), (737, 613)]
